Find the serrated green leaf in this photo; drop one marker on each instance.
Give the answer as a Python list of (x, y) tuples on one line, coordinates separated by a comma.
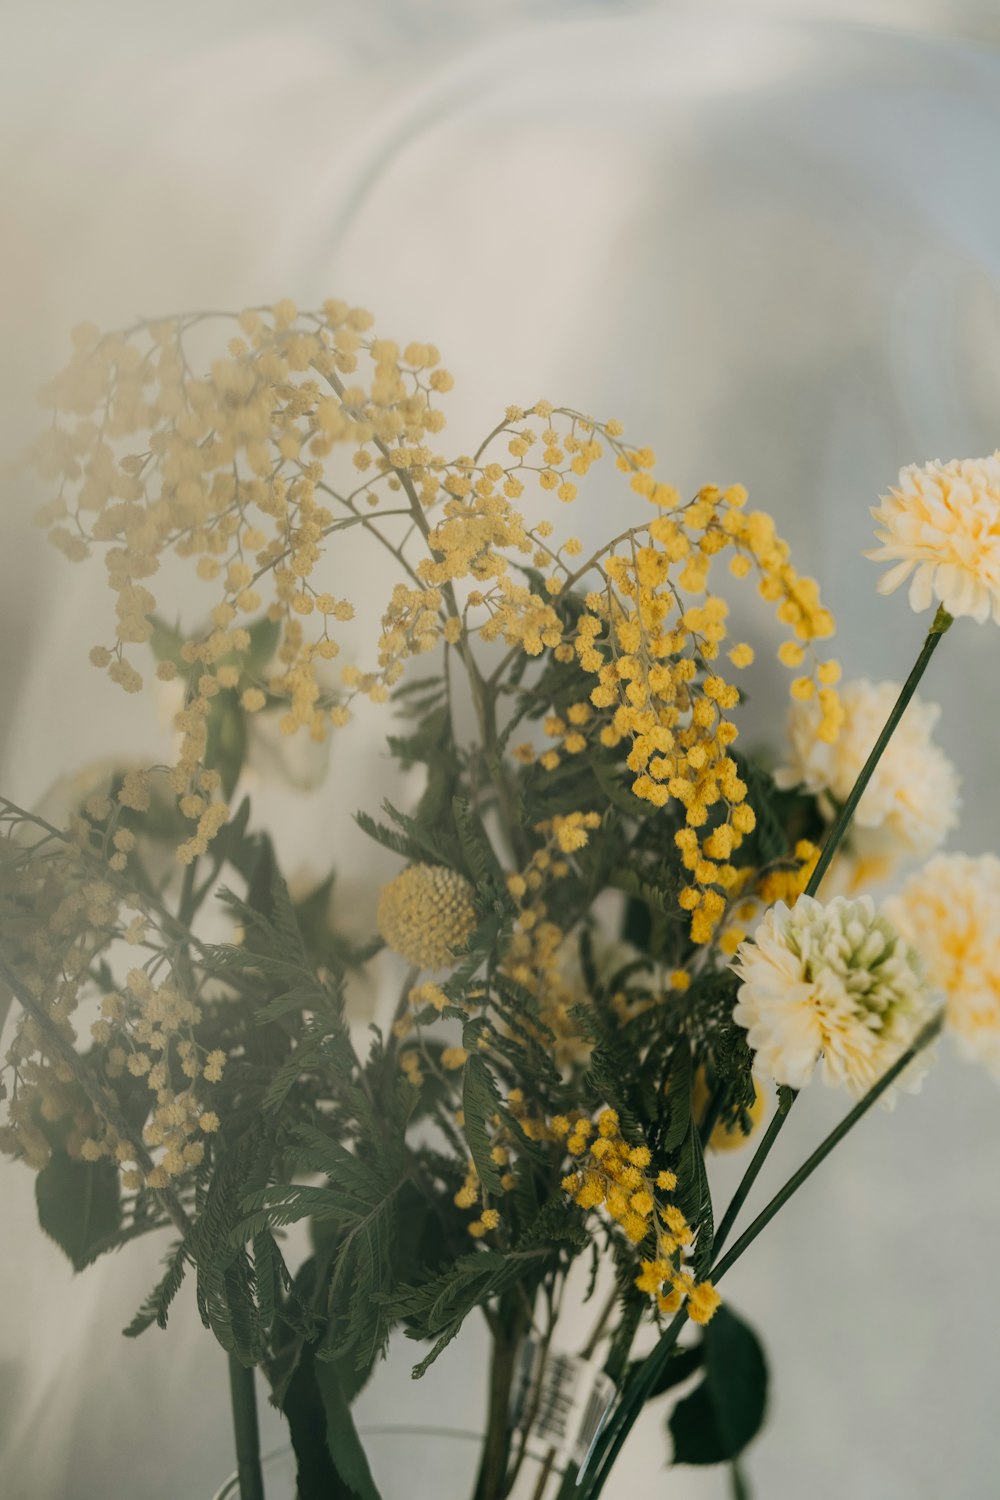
[(480, 1098), (157, 1304)]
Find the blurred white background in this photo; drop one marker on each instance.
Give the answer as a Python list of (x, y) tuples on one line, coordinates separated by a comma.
[(768, 239)]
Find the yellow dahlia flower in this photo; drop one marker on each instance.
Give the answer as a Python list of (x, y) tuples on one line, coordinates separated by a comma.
[(911, 802), (941, 522), (950, 910), (427, 914), (830, 983)]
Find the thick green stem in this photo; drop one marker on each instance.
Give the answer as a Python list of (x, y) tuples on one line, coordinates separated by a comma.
[(942, 620), (834, 838), (750, 1175), (634, 1398), (490, 1482), (243, 1398), (808, 1167)]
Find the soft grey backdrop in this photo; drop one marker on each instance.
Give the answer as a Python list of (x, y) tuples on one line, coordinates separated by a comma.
[(769, 240)]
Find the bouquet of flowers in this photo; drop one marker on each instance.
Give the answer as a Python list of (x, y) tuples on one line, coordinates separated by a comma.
[(605, 938)]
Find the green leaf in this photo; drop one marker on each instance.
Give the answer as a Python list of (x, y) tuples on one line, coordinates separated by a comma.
[(681, 1364), (716, 1422), (157, 1304), (298, 1397), (679, 1098), (78, 1205), (226, 746), (342, 1439), (480, 857), (480, 1098), (264, 635), (166, 642), (388, 837), (694, 1197)]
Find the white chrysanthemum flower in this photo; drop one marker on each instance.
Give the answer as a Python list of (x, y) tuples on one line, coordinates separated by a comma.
[(951, 911), (941, 522), (829, 982), (911, 802)]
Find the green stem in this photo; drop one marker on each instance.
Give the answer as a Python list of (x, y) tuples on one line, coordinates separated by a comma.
[(243, 1398), (634, 1399), (490, 1482), (808, 1167), (620, 1425), (750, 1175), (942, 620)]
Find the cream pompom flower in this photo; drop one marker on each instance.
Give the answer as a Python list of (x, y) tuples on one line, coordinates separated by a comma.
[(941, 522), (951, 910), (911, 803), (831, 983)]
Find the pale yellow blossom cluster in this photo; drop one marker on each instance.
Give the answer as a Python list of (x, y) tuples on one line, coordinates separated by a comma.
[(950, 911), (539, 954), (162, 443), (65, 909)]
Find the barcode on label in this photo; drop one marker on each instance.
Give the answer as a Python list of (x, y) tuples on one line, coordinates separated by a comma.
[(561, 1398)]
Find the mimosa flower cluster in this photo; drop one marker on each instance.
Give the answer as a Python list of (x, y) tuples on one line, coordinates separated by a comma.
[(66, 909), (602, 922), (614, 1176), (229, 468)]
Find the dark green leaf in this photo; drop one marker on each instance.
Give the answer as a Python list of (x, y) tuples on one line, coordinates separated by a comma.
[(681, 1364), (78, 1205), (716, 1422), (342, 1439), (480, 1098), (226, 746)]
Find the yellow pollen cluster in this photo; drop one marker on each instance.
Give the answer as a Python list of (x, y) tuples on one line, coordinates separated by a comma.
[(69, 914), (614, 1176), (787, 883), (538, 954), (427, 915), (653, 645)]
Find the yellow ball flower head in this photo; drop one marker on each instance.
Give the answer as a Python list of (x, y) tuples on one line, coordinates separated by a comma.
[(941, 523), (427, 915)]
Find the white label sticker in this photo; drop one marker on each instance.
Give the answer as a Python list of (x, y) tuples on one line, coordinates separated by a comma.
[(561, 1399)]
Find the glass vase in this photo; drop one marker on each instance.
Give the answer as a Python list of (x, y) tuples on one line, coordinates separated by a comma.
[(415, 1463)]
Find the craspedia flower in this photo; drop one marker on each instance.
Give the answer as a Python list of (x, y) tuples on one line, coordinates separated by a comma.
[(941, 523), (951, 910), (832, 983), (427, 914), (911, 802)]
